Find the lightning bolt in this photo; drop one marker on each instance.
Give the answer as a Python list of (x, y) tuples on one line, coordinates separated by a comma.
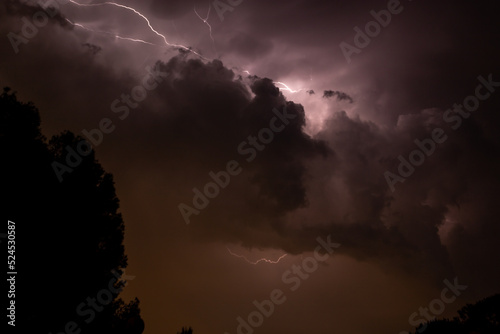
[(107, 3), (260, 260), (280, 83), (110, 33), (287, 88), (205, 20)]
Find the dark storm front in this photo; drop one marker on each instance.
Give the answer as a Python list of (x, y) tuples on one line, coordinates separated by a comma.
[(248, 148), (454, 118)]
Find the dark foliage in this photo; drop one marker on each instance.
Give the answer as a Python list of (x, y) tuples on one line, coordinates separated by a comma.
[(69, 235), (482, 317)]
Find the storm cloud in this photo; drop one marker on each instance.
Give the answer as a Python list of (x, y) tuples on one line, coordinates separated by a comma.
[(320, 171)]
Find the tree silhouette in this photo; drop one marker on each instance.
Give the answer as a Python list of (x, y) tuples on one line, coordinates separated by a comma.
[(186, 331), (69, 235), (482, 317)]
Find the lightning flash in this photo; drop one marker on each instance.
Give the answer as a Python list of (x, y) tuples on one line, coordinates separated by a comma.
[(259, 260), (110, 33), (205, 20), (287, 88), (107, 3)]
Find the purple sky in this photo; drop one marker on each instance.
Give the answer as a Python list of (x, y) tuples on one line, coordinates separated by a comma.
[(324, 173)]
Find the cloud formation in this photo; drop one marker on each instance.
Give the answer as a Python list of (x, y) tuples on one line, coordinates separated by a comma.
[(341, 96), (308, 181)]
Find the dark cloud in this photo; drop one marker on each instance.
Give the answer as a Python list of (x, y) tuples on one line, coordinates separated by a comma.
[(341, 96), (205, 109), (20, 9), (93, 49)]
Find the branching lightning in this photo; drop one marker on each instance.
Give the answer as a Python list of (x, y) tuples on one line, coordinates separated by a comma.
[(110, 33), (279, 83), (205, 20), (180, 46), (107, 3), (259, 260), (287, 88)]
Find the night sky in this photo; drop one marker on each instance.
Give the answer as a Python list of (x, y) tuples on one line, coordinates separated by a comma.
[(294, 120)]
